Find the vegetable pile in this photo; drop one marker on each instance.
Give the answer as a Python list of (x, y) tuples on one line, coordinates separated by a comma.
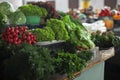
[(30, 10), (50, 9), (18, 35), (25, 62), (44, 34), (22, 59), (17, 18), (85, 54), (69, 63), (58, 28), (103, 40), (6, 8), (78, 34)]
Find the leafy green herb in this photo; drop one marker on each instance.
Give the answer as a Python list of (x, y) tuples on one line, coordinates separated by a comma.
[(50, 9), (44, 34), (68, 63), (28, 62), (86, 55), (59, 29), (33, 10), (70, 47)]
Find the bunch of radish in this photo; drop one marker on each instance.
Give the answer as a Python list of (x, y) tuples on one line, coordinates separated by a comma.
[(18, 35)]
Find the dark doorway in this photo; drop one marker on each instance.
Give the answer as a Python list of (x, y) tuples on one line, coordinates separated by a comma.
[(73, 4), (111, 3)]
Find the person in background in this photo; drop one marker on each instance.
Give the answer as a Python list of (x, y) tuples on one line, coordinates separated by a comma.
[(118, 7)]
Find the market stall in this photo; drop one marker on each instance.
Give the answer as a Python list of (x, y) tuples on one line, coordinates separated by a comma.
[(38, 42)]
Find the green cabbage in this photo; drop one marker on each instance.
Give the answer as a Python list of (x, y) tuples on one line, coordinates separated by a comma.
[(6, 8), (17, 18)]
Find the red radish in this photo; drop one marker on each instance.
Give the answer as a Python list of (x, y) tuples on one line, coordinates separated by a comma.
[(16, 28), (12, 29), (18, 35), (33, 42), (24, 37), (15, 39), (10, 40), (16, 31), (28, 38), (15, 42), (8, 29), (19, 41)]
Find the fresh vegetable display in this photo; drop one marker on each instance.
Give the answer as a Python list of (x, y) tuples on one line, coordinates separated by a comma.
[(58, 28), (69, 63), (17, 18), (18, 35), (6, 8), (44, 34), (103, 40), (26, 62), (2, 23), (86, 55), (22, 59), (78, 34), (50, 9), (33, 10)]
